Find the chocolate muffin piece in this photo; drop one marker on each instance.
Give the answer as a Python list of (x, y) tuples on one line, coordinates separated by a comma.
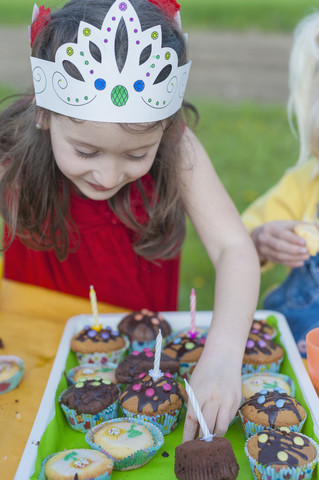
[(90, 396), (202, 460), (138, 362), (144, 325)]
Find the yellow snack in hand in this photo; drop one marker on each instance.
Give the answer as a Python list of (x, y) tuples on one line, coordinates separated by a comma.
[(311, 235)]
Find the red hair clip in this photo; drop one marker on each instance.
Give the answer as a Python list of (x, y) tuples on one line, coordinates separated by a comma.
[(40, 18), (170, 6)]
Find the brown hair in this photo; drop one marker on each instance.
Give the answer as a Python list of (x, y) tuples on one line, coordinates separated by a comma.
[(34, 194)]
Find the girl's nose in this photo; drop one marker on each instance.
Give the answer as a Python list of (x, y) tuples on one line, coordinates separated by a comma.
[(109, 173)]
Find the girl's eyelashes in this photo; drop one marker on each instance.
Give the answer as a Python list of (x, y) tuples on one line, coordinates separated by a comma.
[(136, 157), (86, 155)]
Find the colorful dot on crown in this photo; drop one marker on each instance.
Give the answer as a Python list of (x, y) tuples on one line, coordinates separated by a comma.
[(137, 387), (167, 387), (70, 51), (109, 29), (119, 95), (167, 56), (91, 72), (157, 56), (113, 18), (153, 65), (149, 100), (148, 74), (105, 40), (86, 62), (157, 103), (135, 30), (86, 32), (122, 6), (139, 85), (149, 392), (68, 99), (82, 53), (131, 19), (86, 98), (137, 42), (154, 35), (100, 84)]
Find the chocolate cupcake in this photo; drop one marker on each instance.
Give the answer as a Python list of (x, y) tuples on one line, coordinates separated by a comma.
[(157, 401), (261, 328), (271, 409), (142, 327), (261, 355), (198, 459), (281, 454), (186, 350), (100, 346), (138, 362), (89, 402)]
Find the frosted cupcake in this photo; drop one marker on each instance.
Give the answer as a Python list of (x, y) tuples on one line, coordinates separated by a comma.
[(261, 355), (263, 329), (100, 346), (88, 371), (254, 382), (79, 464), (11, 371), (131, 443), (156, 401), (89, 402), (271, 409), (281, 454)]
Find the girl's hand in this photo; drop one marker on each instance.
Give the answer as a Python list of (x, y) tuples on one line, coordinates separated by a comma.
[(216, 382), (276, 242)]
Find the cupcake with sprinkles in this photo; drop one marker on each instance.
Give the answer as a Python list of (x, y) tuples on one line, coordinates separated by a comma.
[(281, 454), (271, 409), (89, 402), (262, 355), (142, 327), (262, 328)]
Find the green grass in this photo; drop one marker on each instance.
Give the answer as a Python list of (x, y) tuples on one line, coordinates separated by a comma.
[(268, 15), (251, 146)]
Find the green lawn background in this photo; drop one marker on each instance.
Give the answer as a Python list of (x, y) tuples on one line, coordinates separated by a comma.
[(250, 144)]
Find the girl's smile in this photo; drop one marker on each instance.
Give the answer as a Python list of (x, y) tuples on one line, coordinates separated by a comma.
[(100, 158)]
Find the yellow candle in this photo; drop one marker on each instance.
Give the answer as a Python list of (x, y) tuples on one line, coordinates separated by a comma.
[(97, 325)]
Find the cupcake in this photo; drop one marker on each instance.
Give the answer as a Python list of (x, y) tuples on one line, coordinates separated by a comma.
[(198, 459), (131, 443), (271, 409), (281, 454), (156, 401), (254, 382), (89, 402), (99, 346), (79, 464), (261, 327), (142, 328), (186, 350), (88, 371), (11, 371), (138, 362), (261, 355)]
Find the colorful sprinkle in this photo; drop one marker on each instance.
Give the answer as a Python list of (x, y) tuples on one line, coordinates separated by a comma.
[(261, 399), (106, 381), (135, 353), (280, 403), (141, 375), (282, 456), (284, 429), (105, 335), (137, 387), (92, 333), (167, 387), (177, 340), (149, 392), (262, 343), (149, 354), (263, 438), (250, 343), (189, 346), (298, 441), (79, 385), (168, 375)]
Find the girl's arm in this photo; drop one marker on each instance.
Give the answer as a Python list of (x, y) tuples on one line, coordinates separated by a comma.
[(216, 379)]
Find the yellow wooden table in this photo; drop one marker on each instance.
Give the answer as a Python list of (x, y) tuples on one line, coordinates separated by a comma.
[(32, 320)]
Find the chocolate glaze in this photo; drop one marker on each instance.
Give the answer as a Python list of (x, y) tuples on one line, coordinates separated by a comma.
[(104, 335), (160, 395), (178, 350), (132, 365), (269, 406), (277, 441), (256, 343)]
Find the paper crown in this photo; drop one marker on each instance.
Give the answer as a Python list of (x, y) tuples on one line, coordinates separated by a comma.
[(137, 93)]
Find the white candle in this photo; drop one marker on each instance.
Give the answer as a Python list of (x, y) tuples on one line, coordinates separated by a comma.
[(193, 310), (155, 372), (207, 435)]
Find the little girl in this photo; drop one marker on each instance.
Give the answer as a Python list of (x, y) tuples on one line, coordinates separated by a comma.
[(272, 218), (99, 169)]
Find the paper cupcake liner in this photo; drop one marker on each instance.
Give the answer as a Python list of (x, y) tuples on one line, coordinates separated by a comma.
[(165, 422), (250, 428), (270, 387), (42, 476), (83, 422), (108, 367), (138, 458), (102, 358), (302, 472), (273, 367), (11, 382), (186, 370)]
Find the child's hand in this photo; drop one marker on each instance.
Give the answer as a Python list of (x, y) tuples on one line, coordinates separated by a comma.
[(276, 242), (216, 382)]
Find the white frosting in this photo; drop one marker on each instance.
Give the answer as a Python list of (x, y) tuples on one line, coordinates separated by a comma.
[(256, 383), (85, 462), (7, 370)]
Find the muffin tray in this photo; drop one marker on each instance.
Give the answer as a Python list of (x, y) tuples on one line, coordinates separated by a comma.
[(50, 434)]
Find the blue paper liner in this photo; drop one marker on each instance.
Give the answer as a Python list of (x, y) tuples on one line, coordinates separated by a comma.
[(138, 458), (83, 422), (11, 382), (269, 387), (250, 428), (261, 472), (273, 367), (105, 476), (165, 422)]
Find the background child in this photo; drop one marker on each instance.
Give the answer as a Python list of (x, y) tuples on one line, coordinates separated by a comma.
[(271, 219), (99, 170)]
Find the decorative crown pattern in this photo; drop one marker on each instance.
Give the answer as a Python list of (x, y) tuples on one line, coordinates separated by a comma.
[(137, 92)]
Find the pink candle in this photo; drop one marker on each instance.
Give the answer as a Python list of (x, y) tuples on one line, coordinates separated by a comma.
[(193, 311)]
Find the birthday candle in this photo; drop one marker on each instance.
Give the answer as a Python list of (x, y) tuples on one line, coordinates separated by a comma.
[(207, 435), (193, 310), (156, 373), (94, 306)]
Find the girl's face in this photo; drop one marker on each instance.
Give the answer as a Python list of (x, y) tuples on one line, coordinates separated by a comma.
[(100, 158)]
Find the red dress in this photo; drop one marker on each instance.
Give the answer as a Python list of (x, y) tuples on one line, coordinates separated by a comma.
[(105, 259)]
